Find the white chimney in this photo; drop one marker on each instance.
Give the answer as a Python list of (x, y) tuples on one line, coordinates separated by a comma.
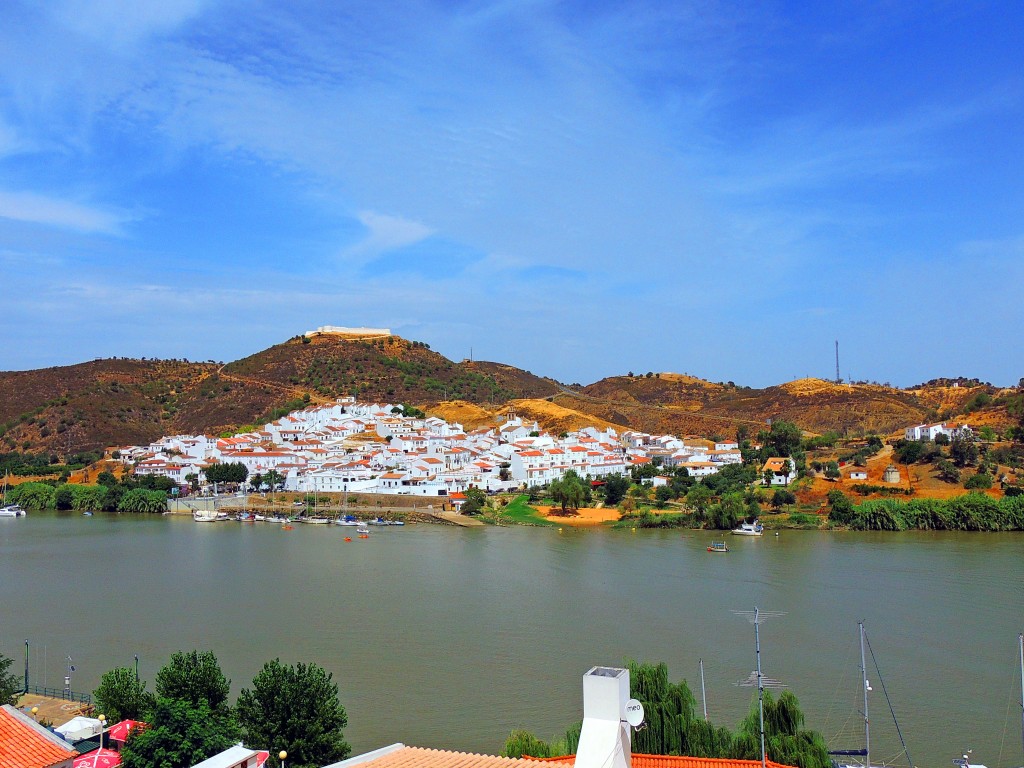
[(605, 738)]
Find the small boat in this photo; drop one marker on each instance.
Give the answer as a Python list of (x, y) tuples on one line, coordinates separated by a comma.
[(222, 516), (205, 517), (379, 521), (749, 529), (396, 522), (718, 546), (316, 520), (362, 530), (12, 510), (347, 520), (246, 517), (87, 514)]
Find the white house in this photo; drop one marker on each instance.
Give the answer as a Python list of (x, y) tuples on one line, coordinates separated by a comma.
[(775, 469)]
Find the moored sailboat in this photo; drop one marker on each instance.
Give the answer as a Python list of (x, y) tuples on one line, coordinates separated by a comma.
[(866, 751)]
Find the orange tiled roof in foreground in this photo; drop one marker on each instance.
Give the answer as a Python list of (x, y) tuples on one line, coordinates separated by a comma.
[(23, 744), (419, 757), (671, 761)]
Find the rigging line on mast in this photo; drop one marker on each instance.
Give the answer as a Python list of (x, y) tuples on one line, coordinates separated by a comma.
[(887, 701), (832, 705), (1006, 719)]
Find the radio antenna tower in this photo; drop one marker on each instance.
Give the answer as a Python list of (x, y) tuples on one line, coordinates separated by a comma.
[(838, 379), (758, 617)]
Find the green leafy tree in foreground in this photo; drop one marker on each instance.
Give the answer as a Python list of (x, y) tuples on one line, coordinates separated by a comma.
[(194, 677), (10, 685), (180, 733), (121, 696), (294, 708)]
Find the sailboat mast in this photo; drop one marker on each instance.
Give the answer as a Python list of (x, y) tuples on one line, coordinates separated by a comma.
[(704, 695), (864, 681), (1020, 641)]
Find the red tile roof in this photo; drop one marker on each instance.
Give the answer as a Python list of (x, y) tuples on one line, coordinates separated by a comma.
[(23, 744), (418, 757), (672, 761)]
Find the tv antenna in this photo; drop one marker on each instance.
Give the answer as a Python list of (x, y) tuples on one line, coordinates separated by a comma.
[(757, 617)]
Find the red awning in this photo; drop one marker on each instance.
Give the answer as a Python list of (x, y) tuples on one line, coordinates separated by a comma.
[(120, 731), (98, 758)]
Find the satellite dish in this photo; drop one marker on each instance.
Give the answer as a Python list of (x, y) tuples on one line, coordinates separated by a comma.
[(634, 713)]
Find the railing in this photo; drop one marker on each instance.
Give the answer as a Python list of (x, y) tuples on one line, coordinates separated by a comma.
[(59, 693)]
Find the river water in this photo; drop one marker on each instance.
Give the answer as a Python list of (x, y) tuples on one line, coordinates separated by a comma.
[(449, 637)]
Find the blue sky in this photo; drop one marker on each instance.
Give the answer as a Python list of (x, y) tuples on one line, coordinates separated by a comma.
[(579, 189)]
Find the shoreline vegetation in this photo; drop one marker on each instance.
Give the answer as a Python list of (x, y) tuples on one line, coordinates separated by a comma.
[(974, 511)]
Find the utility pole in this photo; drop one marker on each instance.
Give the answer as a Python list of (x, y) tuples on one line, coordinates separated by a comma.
[(838, 379)]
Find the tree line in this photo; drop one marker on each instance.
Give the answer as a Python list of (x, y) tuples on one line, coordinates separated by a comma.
[(289, 707)]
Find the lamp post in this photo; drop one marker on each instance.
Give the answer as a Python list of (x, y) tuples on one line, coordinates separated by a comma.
[(282, 756), (103, 720), (35, 714)]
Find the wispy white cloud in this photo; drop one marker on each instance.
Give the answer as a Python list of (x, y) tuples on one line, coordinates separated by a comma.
[(384, 233), (55, 212)]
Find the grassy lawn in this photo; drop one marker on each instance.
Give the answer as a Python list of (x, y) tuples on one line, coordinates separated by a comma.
[(519, 512)]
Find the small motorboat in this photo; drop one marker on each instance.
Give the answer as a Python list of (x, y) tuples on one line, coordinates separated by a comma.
[(718, 546), (749, 529)]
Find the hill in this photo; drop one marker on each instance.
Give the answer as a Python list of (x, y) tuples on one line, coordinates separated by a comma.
[(120, 401), (683, 404), (115, 402)]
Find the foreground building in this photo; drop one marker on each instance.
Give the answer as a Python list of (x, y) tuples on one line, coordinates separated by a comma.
[(605, 741)]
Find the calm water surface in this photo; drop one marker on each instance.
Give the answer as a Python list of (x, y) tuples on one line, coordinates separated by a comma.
[(452, 637)]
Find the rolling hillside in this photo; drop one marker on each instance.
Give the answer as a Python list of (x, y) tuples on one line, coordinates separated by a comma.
[(119, 401)]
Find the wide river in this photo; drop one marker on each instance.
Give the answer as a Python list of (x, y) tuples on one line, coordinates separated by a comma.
[(450, 637)]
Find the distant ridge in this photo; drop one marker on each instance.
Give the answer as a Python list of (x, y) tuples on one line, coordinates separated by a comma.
[(111, 402)]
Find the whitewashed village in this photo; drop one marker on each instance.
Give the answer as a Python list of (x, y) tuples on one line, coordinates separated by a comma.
[(356, 447)]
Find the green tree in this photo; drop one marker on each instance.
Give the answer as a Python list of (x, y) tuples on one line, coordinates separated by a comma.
[(963, 451), (615, 488), (781, 498), (180, 733), (231, 472), (981, 481), (832, 470), (662, 494), (194, 677), (908, 451), (106, 479), (273, 478), (842, 510), (63, 497), (783, 438), (121, 696), (699, 497), (568, 492), (474, 503), (10, 685), (295, 708), (948, 471)]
